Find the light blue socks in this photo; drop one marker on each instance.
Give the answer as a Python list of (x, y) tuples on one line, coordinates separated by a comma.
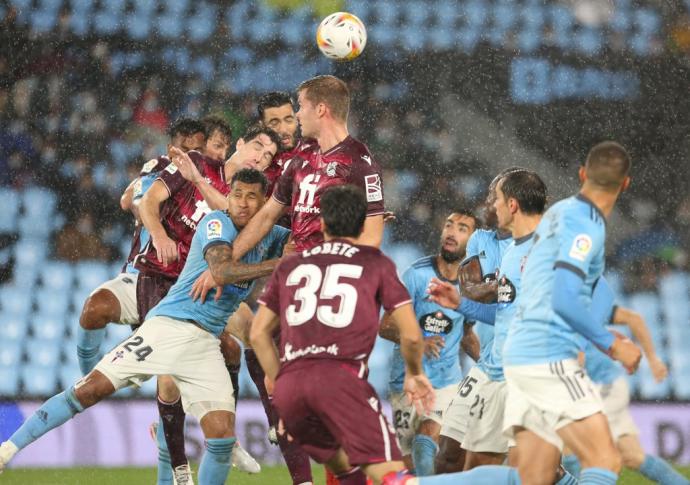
[(55, 411), (661, 471), (217, 461), (424, 451), (504, 475), (89, 348), (571, 464), (597, 476), (165, 472)]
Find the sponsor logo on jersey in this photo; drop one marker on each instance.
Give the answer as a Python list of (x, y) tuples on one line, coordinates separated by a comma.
[(213, 229), (373, 187), (171, 169), (290, 354), (436, 323), (506, 290), (581, 247)]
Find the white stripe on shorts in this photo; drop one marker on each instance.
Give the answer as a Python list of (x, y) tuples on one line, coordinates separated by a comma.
[(386, 438)]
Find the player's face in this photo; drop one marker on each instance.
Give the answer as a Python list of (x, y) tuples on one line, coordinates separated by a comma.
[(217, 145), (502, 206), (194, 142), (244, 200), (307, 116), (456, 232), (256, 153), (282, 120)]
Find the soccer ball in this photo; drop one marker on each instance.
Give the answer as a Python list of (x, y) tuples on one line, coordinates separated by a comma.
[(341, 36)]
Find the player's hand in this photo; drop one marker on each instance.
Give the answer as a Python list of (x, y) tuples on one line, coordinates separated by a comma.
[(185, 165), (658, 368), (433, 346), (389, 216), (203, 285), (443, 293), (626, 352), (166, 249), (419, 392)]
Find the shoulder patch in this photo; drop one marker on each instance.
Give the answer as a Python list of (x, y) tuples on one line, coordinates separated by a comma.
[(581, 247), (373, 187), (213, 229), (171, 169), (148, 166)]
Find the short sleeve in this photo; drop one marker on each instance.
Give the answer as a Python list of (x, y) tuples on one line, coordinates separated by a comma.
[(172, 178), (580, 240), (472, 248), (270, 297), (154, 165), (279, 236), (216, 228), (365, 173), (282, 191), (392, 290)]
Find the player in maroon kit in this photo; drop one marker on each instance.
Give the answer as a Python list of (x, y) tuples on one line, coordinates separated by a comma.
[(326, 302)]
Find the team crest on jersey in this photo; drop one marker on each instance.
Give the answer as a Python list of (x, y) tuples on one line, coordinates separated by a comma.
[(581, 247), (436, 322), (213, 229), (506, 290), (373, 186), (330, 169)]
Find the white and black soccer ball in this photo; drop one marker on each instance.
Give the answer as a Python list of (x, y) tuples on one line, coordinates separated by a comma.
[(341, 36)]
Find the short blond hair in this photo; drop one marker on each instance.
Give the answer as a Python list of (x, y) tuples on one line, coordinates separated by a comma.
[(329, 90)]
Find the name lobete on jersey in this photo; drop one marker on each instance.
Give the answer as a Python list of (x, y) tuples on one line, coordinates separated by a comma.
[(311, 172), (181, 213)]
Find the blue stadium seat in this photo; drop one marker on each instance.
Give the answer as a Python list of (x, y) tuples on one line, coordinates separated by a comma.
[(13, 328), (476, 14), (145, 7), (440, 39), (413, 38), (39, 380), (28, 254), (43, 21), (403, 254), (10, 353), (68, 375), (236, 17), (23, 279), (126, 392), (680, 379), (48, 326), (57, 275), (648, 387), (417, 13), (292, 31), (52, 301), (384, 35), (138, 25), (202, 24), (9, 381), (446, 15), (109, 20), (115, 334), (15, 301), (91, 274), (37, 200), (468, 38), (10, 210), (385, 13), (178, 7), (42, 352), (529, 40)]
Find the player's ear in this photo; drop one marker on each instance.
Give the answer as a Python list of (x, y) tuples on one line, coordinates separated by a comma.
[(321, 109), (626, 184), (239, 144), (582, 174)]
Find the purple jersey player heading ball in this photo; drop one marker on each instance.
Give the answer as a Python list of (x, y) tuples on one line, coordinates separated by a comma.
[(326, 301)]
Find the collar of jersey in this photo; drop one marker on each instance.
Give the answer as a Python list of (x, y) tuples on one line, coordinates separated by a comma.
[(434, 265), (586, 200), (524, 238)]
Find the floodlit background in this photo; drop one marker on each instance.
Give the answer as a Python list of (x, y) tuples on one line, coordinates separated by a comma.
[(446, 94)]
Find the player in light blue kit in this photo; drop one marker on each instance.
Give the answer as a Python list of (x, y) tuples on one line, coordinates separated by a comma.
[(519, 204), (443, 330), (485, 249), (180, 336)]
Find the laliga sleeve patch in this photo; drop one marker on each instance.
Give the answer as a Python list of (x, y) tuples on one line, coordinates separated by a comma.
[(581, 247), (150, 165), (373, 187), (171, 169), (213, 229)]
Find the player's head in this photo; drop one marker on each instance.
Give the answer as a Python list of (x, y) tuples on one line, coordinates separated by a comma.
[(218, 137), (491, 194), (607, 168), (187, 134), (322, 100), (457, 229), (256, 148), (276, 110), (521, 192), (247, 195), (343, 210)]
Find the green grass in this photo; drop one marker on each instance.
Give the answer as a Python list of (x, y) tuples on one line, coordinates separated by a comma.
[(147, 476)]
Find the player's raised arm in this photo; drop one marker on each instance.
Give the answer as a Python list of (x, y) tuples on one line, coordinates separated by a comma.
[(257, 228), (190, 172), (372, 234), (149, 211)]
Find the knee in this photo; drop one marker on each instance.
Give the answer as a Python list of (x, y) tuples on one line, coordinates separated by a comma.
[(231, 350), (167, 390), (99, 309), (218, 424)]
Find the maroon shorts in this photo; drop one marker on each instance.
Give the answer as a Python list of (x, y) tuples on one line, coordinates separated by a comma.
[(325, 406), (151, 288)]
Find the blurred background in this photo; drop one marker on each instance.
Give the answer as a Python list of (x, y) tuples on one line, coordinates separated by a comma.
[(446, 94)]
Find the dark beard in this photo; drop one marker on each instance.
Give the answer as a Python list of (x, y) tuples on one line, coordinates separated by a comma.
[(450, 257)]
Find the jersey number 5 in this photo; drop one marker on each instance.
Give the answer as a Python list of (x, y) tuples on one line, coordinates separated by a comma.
[(310, 303)]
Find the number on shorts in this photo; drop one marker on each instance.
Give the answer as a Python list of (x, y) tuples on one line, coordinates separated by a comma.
[(466, 386), (142, 352), (402, 419), (478, 401), (331, 288)]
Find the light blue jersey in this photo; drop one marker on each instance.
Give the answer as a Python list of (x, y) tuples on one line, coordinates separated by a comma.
[(433, 320), (509, 293), (215, 228), (489, 248), (571, 235), (140, 187)]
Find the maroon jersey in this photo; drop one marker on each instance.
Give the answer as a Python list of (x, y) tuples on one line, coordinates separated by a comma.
[(282, 160), (311, 172), (181, 212), (154, 165), (329, 300)]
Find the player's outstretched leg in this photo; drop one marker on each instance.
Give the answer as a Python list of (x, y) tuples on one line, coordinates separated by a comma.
[(165, 472), (56, 411), (652, 467), (219, 430), (100, 308)]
